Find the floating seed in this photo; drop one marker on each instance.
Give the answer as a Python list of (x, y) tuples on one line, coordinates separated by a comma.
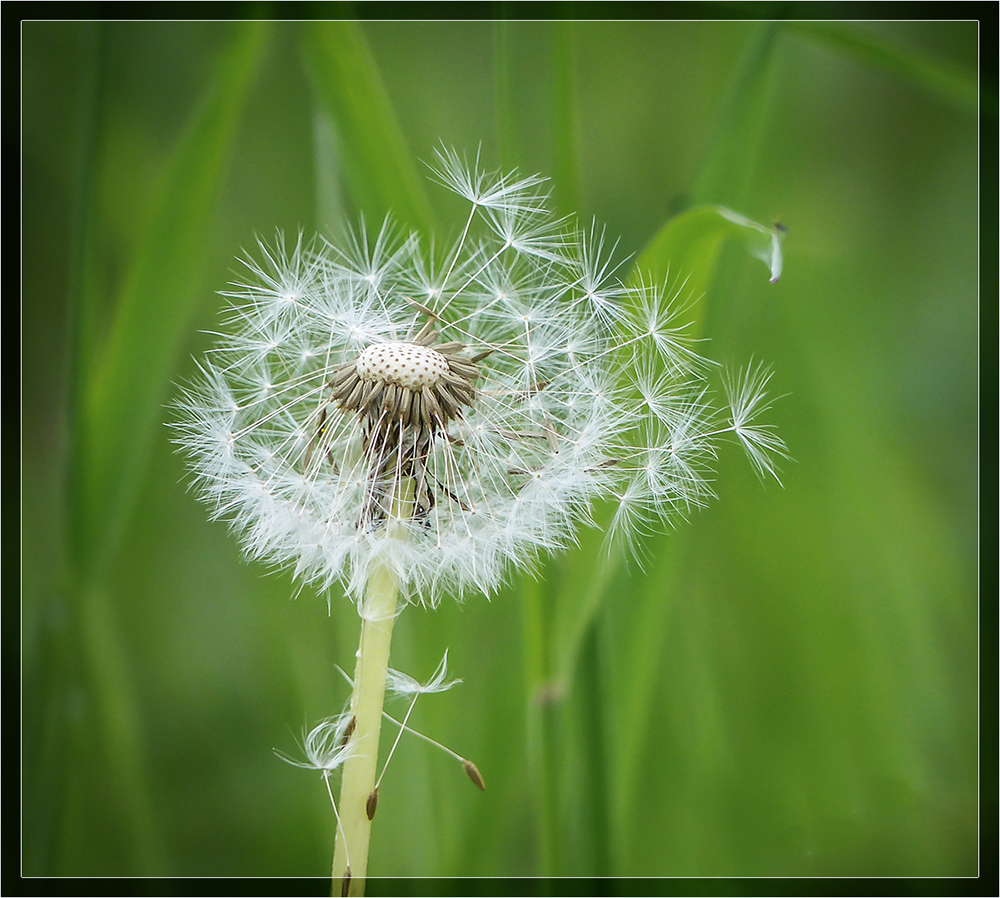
[(472, 771)]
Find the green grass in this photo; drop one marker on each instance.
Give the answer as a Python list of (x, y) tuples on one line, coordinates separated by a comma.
[(787, 684)]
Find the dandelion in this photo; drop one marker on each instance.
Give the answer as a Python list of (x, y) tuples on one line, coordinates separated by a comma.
[(408, 425)]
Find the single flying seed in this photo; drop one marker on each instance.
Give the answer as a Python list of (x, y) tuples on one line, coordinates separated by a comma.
[(472, 771)]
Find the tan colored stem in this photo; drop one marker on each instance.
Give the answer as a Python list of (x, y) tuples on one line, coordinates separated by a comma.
[(379, 615)]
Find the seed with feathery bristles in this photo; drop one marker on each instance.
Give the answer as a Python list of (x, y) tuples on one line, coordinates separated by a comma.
[(405, 394), (516, 385)]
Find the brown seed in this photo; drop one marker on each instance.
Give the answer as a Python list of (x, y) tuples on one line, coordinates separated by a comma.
[(345, 882), (415, 406), (343, 374), (353, 399), (463, 368), (472, 771), (372, 804), (428, 312), (449, 406), (427, 335), (433, 406), (349, 730), (369, 405)]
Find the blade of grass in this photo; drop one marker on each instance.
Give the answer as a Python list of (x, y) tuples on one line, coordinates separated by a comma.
[(541, 709), (47, 670), (82, 293), (688, 248), (542, 694), (380, 172), (111, 680), (120, 392), (122, 402), (506, 129), (689, 245), (954, 84), (726, 174), (330, 207), (641, 624), (565, 118)]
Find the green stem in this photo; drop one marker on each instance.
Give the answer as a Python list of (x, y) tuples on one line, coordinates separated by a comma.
[(506, 131), (350, 858), (565, 113), (541, 711)]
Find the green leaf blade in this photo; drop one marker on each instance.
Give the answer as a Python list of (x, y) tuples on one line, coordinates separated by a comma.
[(688, 246), (121, 402), (955, 85), (380, 171)]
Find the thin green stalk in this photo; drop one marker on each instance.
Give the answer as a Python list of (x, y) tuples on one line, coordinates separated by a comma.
[(506, 131), (955, 84), (540, 710), (110, 677), (350, 859), (592, 733), (565, 115), (727, 173), (379, 170)]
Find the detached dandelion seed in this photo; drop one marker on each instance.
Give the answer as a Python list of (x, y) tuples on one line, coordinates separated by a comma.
[(405, 425)]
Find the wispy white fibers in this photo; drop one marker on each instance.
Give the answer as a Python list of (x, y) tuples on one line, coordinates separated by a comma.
[(570, 387)]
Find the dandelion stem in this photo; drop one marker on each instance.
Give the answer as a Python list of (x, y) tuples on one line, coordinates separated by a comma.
[(378, 616)]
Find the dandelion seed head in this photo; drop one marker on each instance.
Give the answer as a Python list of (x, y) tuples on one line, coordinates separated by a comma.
[(408, 364), (510, 378)]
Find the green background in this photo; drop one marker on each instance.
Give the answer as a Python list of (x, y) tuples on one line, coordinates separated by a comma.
[(787, 685)]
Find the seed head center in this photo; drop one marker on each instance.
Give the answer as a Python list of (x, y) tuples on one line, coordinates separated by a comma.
[(407, 364)]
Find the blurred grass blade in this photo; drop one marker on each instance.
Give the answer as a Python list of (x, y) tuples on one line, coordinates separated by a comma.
[(581, 588), (507, 141), (565, 115), (381, 174), (643, 627), (955, 84), (83, 301), (688, 247), (116, 710), (122, 402), (330, 207), (726, 174)]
